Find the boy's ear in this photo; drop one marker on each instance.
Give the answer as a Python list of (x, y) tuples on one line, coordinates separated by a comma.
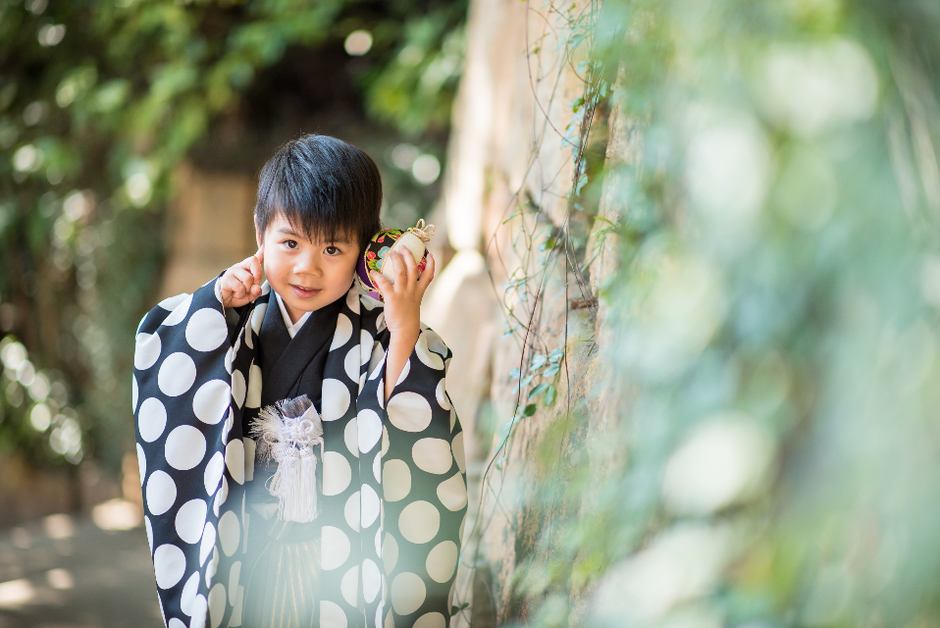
[(258, 237)]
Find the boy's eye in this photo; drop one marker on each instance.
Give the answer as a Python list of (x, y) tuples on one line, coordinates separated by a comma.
[(291, 244), (332, 250)]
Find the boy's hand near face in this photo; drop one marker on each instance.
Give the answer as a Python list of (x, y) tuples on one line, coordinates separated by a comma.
[(241, 284), (402, 310)]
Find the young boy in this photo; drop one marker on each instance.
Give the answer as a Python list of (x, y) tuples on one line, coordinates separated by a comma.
[(390, 493)]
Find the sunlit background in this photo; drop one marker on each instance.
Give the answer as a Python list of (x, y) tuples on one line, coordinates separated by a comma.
[(691, 279)]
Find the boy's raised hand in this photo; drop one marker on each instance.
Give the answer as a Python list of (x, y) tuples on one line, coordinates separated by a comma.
[(403, 294), (402, 310), (241, 284)]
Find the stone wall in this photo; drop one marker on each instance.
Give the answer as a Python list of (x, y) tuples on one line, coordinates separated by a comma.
[(507, 155)]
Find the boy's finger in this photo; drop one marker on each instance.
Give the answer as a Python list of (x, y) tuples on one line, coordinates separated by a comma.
[(379, 280), (411, 267), (242, 276), (256, 269), (428, 273)]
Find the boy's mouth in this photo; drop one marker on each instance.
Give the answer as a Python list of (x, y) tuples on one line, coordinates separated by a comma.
[(303, 292)]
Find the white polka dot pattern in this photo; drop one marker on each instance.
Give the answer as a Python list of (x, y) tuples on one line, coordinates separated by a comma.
[(332, 615), (217, 604), (419, 522), (370, 430), (409, 412), (152, 419), (211, 402), (349, 586), (208, 543), (239, 388), (177, 374), (351, 437), (200, 610), (408, 593), (442, 561), (336, 473), (160, 493), (371, 580), (397, 480), (335, 399), (370, 506), (188, 596), (351, 364), (253, 395), (233, 577), (179, 311), (169, 563), (206, 330), (213, 473), (343, 332), (351, 511), (335, 548), (235, 460), (428, 357), (185, 447), (141, 463), (453, 492), (190, 519), (431, 620), (229, 532), (147, 351), (432, 455), (392, 497)]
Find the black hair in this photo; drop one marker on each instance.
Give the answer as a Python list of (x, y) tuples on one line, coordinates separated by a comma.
[(325, 187)]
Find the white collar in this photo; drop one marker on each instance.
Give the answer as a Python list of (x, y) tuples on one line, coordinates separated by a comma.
[(292, 328)]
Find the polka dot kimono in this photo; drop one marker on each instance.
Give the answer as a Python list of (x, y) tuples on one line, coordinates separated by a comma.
[(393, 493)]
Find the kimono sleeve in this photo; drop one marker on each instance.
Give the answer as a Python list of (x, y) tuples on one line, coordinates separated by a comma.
[(191, 461), (424, 487)]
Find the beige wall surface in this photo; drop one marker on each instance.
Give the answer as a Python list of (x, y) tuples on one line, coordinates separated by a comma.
[(507, 154), (209, 227)]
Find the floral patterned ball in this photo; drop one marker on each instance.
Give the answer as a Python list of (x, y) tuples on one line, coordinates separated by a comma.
[(378, 248)]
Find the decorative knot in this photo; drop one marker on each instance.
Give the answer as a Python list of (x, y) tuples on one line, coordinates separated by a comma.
[(423, 231)]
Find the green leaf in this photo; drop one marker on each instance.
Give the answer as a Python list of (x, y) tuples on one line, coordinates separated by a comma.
[(529, 410), (552, 370), (515, 374), (555, 355), (538, 390), (548, 245), (582, 181), (550, 394), (538, 361)]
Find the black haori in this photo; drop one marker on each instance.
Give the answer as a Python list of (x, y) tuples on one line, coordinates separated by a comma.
[(393, 487)]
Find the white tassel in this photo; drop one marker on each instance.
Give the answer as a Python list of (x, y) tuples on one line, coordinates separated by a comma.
[(288, 431)]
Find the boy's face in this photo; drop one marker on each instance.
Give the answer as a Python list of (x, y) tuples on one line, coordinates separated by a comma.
[(308, 275)]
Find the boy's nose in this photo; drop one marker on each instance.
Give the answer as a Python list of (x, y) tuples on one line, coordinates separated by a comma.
[(308, 265)]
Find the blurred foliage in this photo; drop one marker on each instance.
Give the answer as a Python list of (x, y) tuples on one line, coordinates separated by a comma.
[(417, 86), (99, 101), (763, 447)]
